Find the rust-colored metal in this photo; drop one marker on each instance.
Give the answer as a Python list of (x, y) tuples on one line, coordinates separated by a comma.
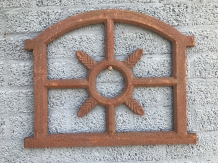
[(179, 42)]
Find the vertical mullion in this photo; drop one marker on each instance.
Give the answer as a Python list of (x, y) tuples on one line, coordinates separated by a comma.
[(109, 40), (110, 119)]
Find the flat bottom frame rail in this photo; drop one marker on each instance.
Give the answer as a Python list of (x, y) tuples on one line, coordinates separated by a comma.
[(103, 139)]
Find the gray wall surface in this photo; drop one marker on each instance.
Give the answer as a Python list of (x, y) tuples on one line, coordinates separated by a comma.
[(25, 19)]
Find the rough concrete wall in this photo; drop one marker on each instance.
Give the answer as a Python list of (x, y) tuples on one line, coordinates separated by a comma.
[(24, 19)]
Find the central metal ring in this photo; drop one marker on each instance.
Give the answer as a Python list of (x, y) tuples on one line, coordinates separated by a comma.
[(128, 87)]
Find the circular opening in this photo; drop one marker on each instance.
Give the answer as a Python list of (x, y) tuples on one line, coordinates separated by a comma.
[(109, 82)]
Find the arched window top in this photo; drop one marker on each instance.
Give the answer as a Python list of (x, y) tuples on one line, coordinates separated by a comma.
[(102, 16)]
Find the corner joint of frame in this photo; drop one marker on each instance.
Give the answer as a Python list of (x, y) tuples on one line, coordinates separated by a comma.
[(189, 41), (29, 44)]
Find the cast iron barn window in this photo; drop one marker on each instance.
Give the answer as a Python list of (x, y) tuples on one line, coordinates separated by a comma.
[(39, 44)]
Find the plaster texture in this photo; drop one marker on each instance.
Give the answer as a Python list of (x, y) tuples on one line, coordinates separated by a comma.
[(25, 19)]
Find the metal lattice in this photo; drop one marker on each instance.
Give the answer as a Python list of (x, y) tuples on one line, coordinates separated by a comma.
[(109, 138)]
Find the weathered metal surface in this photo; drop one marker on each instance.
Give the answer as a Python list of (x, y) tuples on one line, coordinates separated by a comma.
[(110, 138)]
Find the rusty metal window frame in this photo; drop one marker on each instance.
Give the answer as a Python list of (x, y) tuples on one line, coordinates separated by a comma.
[(43, 139)]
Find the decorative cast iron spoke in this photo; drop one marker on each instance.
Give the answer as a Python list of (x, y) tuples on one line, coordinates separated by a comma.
[(134, 106), (85, 59), (86, 107), (134, 58)]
